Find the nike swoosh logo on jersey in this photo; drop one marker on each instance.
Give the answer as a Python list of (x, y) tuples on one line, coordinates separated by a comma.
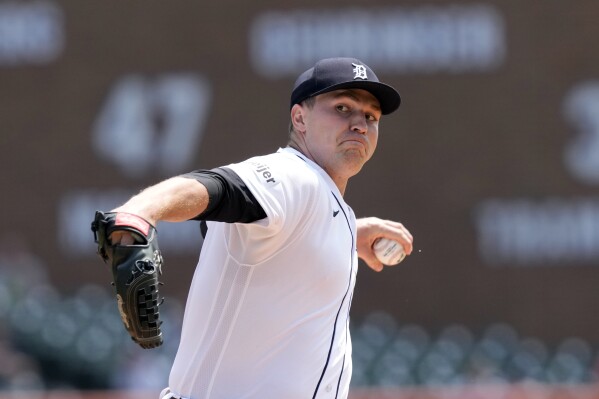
[(335, 213)]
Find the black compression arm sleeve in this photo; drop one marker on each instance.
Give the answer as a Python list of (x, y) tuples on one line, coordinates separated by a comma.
[(230, 200)]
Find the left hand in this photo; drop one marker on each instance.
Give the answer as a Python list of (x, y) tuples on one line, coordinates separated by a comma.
[(369, 229)]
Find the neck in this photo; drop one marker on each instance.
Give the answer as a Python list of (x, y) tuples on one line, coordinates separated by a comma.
[(340, 182)]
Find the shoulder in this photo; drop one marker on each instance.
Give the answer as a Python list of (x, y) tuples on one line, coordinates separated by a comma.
[(284, 185), (277, 168)]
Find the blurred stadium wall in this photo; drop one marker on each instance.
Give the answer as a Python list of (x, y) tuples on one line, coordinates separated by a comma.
[(492, 162)]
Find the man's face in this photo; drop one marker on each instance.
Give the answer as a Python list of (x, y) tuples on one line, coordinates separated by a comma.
[(342, 130)]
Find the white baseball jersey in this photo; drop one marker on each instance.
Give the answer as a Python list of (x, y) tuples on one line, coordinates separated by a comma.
[(268, 310)]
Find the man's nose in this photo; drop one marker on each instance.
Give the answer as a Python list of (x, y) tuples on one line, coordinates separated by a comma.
[(359, 123)]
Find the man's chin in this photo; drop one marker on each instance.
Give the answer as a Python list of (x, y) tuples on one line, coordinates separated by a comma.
[(354, 159)]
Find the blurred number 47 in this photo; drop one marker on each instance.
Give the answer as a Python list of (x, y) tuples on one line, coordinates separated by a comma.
[(152, 126)]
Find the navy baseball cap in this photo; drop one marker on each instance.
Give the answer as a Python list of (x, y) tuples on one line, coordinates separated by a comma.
[(343, 73)]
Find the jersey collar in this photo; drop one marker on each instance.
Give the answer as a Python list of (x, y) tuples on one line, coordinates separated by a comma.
[(315, 166)]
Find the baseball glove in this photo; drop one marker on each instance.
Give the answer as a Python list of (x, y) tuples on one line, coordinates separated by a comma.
[(135, 270)]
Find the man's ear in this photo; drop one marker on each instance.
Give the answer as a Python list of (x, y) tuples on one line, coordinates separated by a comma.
[(297, 118)]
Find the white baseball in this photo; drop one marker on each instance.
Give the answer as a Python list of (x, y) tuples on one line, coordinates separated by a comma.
[(388, 252)]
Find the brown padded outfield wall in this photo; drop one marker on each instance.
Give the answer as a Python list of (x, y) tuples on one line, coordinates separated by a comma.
[(492, 160)]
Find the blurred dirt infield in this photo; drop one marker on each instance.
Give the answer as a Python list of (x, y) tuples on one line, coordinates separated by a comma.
[(483, 391)]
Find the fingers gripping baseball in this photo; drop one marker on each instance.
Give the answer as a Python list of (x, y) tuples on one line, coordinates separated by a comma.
[(370, 229)]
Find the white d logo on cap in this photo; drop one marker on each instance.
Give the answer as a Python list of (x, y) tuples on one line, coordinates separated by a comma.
[(359, 71)]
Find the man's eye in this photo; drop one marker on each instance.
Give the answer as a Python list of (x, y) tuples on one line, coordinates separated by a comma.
[(371, 117), (342, 108)]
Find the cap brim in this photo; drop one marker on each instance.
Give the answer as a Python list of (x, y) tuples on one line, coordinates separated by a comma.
[(388, 97)]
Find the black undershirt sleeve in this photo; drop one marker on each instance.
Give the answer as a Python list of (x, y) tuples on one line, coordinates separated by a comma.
[(230, 200)]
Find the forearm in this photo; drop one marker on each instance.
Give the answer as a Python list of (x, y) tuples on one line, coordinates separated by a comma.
[(173, 200)]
